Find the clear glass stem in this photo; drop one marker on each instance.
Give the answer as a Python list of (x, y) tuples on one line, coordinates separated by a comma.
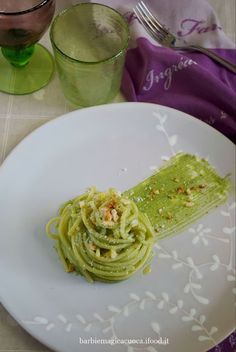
[(18, 57)]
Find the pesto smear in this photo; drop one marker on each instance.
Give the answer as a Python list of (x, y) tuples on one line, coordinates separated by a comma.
[(179, 193)]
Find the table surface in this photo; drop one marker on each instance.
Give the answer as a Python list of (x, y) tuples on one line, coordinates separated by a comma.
[(20, 115)]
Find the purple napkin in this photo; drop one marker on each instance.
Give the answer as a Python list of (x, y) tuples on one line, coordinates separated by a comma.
[(228, 345), (187, 81)]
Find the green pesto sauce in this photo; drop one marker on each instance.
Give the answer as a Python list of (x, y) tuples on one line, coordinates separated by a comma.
[(182, 191)]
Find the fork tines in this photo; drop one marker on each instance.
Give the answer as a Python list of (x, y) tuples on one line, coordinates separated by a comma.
[(149, 21)]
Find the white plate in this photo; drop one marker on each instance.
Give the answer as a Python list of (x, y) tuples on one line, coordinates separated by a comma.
[(189, 295)]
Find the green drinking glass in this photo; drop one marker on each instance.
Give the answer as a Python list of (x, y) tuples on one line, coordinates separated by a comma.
[(90, 41), (24, 65)]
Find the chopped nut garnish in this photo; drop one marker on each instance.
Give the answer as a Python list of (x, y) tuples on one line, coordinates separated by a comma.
[(189, 204), (180, 190), (160, 211), (153, 193), (115, 215), (107, 216), (202, 185), (92, 246), (109, 212)]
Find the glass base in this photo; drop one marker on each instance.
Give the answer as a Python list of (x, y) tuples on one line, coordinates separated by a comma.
[(27, 79)]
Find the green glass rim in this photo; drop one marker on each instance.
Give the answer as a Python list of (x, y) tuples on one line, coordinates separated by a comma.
[(125, 46), (23, 12)]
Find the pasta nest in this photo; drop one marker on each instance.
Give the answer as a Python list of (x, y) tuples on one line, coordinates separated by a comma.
[(102, 236)]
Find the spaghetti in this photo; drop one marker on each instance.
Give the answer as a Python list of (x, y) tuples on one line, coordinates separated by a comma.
[(102, 236)]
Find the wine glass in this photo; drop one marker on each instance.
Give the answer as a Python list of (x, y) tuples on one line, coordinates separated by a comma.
[(25, 66)]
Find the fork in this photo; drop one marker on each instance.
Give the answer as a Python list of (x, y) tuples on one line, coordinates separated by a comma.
[(164, 37)]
